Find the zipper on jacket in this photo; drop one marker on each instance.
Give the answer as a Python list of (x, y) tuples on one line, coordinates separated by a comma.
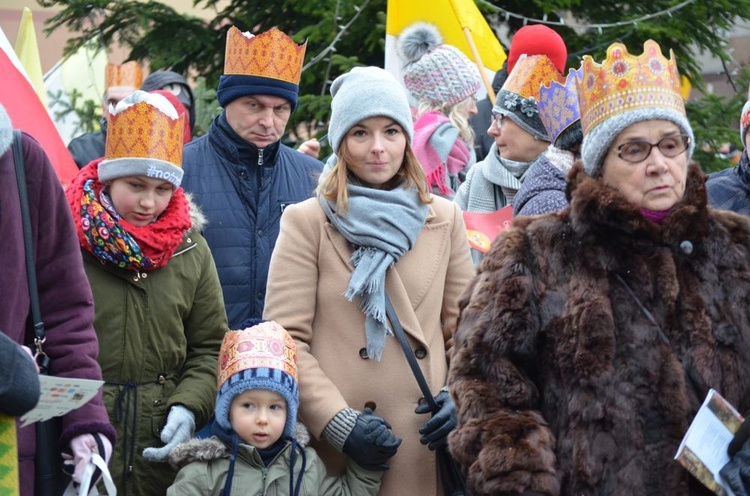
[(259, 181)]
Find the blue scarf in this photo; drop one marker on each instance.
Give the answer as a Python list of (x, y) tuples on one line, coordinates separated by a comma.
[(383, 224)]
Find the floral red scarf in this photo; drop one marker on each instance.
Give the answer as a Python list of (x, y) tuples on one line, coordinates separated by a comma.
[(116, 240)]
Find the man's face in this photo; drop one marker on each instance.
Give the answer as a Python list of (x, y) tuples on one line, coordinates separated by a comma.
[(259, 119), (113, 95)]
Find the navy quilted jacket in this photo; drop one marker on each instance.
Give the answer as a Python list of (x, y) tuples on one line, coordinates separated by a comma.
[(729, 189), (243, 190)]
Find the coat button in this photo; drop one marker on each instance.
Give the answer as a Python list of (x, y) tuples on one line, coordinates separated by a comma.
[(420, 353), (363, 354), (161, 379)]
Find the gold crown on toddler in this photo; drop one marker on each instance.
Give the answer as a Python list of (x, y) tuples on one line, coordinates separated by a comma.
[(625, 82), (127, 74), (265, 345), (271, 54)]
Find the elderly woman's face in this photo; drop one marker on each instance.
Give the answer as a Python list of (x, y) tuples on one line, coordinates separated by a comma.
[(656, 182), (513, 141)]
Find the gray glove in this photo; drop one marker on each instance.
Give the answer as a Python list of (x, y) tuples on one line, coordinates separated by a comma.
[(179, 428)]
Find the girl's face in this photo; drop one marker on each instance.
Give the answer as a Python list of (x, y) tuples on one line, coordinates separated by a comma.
[(657, 181), (376, 148), (140, 199), (258, 416), (514, 142), (469, 106)]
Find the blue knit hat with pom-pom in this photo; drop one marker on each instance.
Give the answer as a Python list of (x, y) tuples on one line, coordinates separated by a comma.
[(260, 356)]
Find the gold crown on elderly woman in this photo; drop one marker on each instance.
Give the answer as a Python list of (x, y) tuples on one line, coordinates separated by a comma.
[(625, 82)]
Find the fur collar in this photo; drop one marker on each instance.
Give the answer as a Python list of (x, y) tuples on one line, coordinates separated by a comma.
[(212, 448), (596, 208), (6, 131), (197, 217)]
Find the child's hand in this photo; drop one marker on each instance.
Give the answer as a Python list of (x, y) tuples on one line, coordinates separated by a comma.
[(372, 442), (179, 428)]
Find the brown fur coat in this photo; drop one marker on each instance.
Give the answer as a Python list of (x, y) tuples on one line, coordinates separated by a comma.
[(563, 385)]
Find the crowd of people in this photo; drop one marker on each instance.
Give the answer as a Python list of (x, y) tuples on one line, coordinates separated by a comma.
[(238, 298)]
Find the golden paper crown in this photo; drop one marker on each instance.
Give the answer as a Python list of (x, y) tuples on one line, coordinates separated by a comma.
[(265, 345), (143, 131), (127, 74), (272, 54), (529, 73), (626, 82)]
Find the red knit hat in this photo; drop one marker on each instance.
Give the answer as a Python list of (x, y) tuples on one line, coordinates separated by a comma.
[(538, 39)]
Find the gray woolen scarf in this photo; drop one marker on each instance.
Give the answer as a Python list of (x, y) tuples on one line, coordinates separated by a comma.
[(383, 224)]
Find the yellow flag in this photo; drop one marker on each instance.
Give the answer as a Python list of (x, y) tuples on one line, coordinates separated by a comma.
[(8, 457), (28, 53), (451, 17)]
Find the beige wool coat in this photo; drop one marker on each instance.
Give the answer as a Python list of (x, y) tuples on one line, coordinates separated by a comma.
[(309, 273)]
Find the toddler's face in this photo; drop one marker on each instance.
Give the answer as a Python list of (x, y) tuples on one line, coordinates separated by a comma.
[(258, 416)]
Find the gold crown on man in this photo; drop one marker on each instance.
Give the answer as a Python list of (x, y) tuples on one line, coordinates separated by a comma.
[(271, 54), (625, 82), (127, 74), (143, 131)]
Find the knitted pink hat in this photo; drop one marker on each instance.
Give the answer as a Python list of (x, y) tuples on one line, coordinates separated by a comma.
[(433, 71)]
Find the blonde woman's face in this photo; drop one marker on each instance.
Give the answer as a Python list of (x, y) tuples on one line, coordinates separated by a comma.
[(656, 182), (376, 148)]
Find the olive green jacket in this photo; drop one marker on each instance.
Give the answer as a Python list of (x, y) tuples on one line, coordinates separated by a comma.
[(159, 336), (205, 465)]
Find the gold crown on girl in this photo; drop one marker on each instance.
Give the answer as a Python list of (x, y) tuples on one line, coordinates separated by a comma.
[(558, 104), (265, 345), (143, 131), (127, 74), (625, 82), (272, 54)]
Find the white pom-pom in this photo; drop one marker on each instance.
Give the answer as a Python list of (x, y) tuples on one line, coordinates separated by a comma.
[(416, 40)]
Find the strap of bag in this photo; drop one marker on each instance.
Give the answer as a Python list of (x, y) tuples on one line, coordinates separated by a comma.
[(398, 330), (36, 314)]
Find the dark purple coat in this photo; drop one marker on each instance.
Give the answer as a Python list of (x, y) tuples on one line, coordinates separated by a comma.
[(65, 297)]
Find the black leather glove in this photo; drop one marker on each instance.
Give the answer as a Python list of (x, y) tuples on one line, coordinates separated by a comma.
[(371, 443), (435, 431), (736, 473)]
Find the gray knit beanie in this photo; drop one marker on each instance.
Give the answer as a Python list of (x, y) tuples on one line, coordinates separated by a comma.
[(366, 92), (623, 90), (433, 71)]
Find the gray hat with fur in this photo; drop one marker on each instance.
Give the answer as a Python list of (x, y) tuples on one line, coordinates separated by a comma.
[(598, 141), (366, 92)]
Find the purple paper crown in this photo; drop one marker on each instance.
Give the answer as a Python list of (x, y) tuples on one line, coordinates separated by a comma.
[(558, 104)]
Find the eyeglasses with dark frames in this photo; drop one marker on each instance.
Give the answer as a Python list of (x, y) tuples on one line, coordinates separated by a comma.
[(669, 146)]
